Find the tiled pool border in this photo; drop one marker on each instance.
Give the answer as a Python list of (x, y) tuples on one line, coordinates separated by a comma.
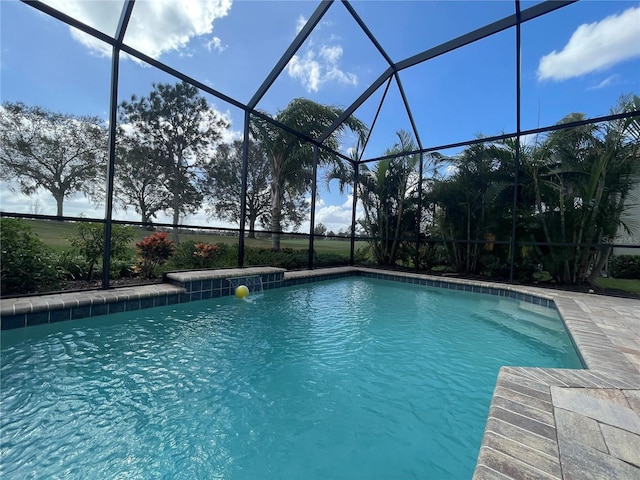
[(181, 287), (542, 423)]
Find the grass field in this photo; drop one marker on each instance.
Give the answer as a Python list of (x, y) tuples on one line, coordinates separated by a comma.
[(619, 284), (56, 235)]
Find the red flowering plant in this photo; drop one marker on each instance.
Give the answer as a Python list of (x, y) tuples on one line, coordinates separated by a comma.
[(205, 253), (153, 251)]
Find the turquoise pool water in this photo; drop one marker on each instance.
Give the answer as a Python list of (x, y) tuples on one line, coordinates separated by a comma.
[(356, 378)]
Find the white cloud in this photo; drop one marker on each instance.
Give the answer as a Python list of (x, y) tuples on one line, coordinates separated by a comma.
[(300, 23), (610, 80), (155, 27), (306, 69), (216, 44), (316, 66), (595, 46)]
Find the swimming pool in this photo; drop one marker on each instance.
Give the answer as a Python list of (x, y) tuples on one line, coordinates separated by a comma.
[(356, 378)]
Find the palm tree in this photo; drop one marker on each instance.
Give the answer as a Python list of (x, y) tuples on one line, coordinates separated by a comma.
[(474, 202), (291, 158), (388, 194), (581, 178)]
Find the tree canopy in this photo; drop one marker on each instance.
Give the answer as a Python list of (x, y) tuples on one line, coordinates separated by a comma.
[(64, 154), (291, 158), (176, 125), (223, 177)]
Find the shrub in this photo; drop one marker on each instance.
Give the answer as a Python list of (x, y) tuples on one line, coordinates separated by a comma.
[(625, 266), (192, 255), (28, 265), (205, 253), (330, 260), (89, 242), (73, 264), (285, 258), (153, 251)]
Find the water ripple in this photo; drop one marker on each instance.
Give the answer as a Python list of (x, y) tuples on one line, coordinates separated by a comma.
[(351, 379)]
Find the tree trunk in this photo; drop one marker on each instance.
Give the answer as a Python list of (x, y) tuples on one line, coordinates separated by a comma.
[(467, 266), (566, 274), (252, 228), (59, 200), (543, 220), (591, 225), (604, 252), (276, 212)]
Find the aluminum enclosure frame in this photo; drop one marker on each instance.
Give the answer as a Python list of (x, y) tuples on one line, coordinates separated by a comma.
[(390, 74)]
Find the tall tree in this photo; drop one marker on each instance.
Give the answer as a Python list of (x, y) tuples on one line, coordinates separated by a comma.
[(177, 124), (388, 196), (388, 192), (469, 205), (223, 177), (590, 171), (64, 154), (139, 179), (291, 158)]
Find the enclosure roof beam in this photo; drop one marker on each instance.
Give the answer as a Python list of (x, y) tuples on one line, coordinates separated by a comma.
[(496, 27), (408, 109), (128, 8), (123, 23), (523, 133), (290, 52), (354, 106), (375, 119), (44, 8), (367, 32), (486, 31)]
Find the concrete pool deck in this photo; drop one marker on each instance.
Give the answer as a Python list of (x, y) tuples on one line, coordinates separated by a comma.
[(542, 423)]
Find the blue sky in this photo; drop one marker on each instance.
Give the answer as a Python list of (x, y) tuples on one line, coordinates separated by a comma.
[(580, 58)]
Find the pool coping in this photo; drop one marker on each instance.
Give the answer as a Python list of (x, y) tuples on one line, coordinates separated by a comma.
[(542, 423)]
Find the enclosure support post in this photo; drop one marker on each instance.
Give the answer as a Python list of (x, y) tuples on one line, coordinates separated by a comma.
[(419, 211), (356, 172), (243, 189), (516, 165), (312, 220), (113, 120)]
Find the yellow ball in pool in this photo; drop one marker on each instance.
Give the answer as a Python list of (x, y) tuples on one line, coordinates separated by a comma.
[(242, 291)]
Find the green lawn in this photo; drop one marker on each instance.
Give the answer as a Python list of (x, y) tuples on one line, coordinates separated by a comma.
[(56, 234), (619, 284)]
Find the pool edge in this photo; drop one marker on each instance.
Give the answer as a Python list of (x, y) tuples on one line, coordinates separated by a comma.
[(535, 424)]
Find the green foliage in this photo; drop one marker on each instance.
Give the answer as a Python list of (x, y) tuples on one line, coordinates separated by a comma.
[(63, 154), (625, 266), (27, 264), (626, 285), (122, 268), (175, 127), (140, 179), (388, 195), (329, 260), (284, 258), (223, 179), (89, 243), (194, 255), (291, 158), (153, 251), (362, 256), (320, 230), (292, 259), (74, 264)]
